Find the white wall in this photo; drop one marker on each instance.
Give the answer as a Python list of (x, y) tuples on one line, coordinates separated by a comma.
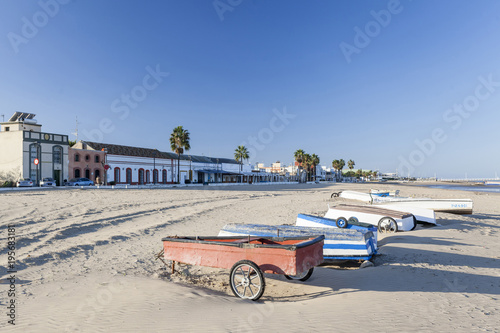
[(11, 154), (136, 163)]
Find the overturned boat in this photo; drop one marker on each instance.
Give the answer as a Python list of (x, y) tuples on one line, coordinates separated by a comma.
[(455, 206), (339, 244), (386, 220)]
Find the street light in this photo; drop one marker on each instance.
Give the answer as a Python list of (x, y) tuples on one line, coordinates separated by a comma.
[(38, 151), (190, 170), (105, 166)]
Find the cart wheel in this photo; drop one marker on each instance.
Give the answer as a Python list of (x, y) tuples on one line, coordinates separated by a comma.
[(341, 222), (387, 225), (246, 280), (304, 276), (414, 223), (353, 220), (334, 195)]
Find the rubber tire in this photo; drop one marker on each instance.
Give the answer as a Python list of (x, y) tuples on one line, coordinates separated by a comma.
[(341, 225), (414, 223), (382, 230), (334, 195), (260, 276), (304, 278), (353, 220)]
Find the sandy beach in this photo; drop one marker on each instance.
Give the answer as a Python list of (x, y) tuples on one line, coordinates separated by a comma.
[(85, 261)]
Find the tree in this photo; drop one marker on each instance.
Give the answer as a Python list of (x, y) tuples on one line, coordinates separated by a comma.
[(71, 142), (359, 173), (314, 162), (299, 156), (307, 163), (336, 167), (341, 166), (240, 154), (351, 164), (179, 140)]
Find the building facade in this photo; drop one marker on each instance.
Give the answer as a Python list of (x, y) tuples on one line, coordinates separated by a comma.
[(140, 166), (27, 152), (88, 163)]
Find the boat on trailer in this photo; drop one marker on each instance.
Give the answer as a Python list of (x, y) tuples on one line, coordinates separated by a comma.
[(304, 220), (386, 220), (339, 244), (455, 206), (382, 193), (422, 215)]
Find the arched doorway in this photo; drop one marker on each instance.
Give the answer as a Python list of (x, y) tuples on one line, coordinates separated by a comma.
[(117, 175), (141, 176), (129, 176)]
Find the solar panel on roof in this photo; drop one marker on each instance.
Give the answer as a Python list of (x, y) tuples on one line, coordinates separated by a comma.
[(18, 116)]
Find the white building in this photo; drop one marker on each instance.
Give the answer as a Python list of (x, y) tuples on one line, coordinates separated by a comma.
[(22, 142), (136, 166)]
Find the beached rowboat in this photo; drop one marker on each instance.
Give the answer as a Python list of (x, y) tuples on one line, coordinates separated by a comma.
[(339, 244), (304, 220), (386, 220), (248, 257), (456, 206)]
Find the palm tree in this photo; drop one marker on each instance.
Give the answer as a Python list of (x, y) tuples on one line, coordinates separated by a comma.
[(299, 155), (240, 154), (306, 159), (341, 165), (336, 167), (351, 164), (179, 140), (314, 162)]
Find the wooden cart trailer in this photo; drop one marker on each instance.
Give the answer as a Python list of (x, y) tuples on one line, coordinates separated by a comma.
[(248, 257)]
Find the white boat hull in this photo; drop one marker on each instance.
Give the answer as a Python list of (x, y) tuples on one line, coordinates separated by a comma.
[(455, 206), (423, 215), (404, 224)]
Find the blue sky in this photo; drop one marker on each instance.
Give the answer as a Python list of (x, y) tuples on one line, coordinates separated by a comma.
[(274, 75)]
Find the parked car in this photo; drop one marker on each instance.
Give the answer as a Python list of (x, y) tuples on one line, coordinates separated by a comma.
[(80, 182), (48, 182), (24, 182)]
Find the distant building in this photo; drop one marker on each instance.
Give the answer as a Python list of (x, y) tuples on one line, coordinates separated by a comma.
[(22, 142)]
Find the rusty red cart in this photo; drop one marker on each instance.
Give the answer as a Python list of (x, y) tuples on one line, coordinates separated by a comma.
[(248, 258)]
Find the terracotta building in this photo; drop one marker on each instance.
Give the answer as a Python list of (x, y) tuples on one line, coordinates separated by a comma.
[(86, 162)]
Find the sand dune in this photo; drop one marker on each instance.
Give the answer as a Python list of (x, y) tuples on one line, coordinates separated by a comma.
[(86, 261)]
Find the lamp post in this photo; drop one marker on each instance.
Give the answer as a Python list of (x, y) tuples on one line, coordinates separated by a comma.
[(190, 169), (106, 167), (38, 151)]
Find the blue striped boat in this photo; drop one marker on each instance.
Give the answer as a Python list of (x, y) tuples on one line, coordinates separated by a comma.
[(305, 220), (346, 244)]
